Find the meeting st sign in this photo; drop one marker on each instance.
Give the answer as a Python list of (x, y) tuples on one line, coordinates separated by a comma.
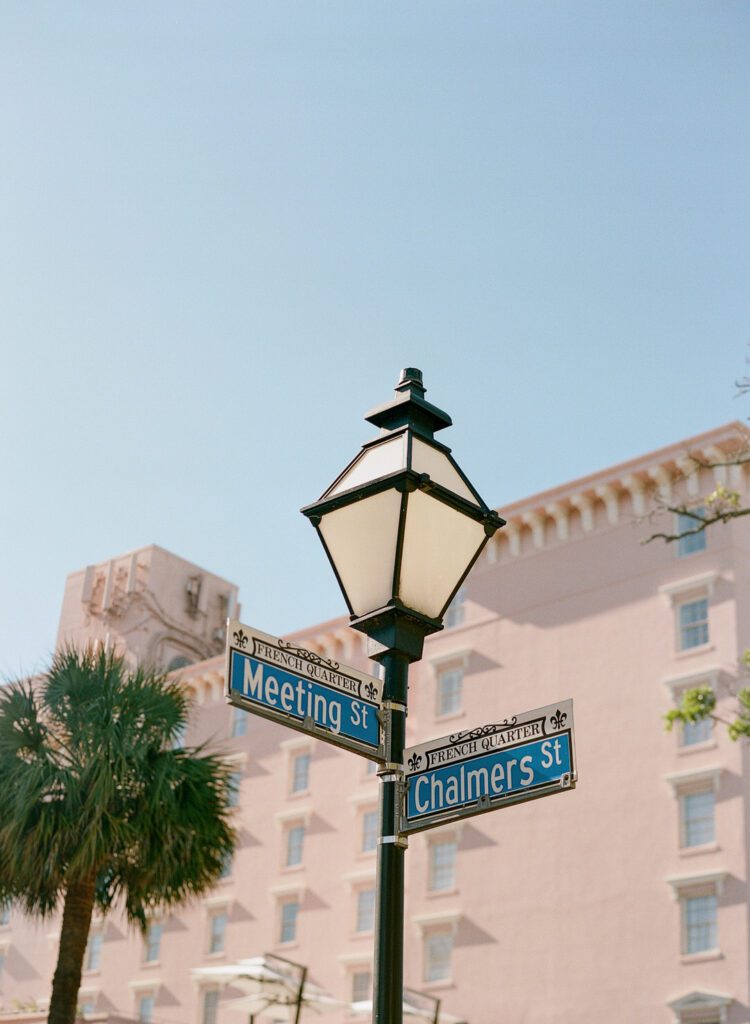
[(300, 689), (521, 758)]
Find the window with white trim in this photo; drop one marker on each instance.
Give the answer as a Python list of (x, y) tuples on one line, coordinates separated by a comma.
[(226, 865), (239, 722), (693, 733), (690, 599), (442, 865), (87, 1005), (152, 942), (692, 542), (210, 1006), (217, 931), (365, 921), (450, 681), (698, 897), (438, 955), (699, 923), (300, 772), (295, 843), (361, 985), (93, 957), (692, 623), (235, 781), (369, 832), (697, 825), (700, 1007), (455, 613), (146, 1003), (288, 914), (696, 796)]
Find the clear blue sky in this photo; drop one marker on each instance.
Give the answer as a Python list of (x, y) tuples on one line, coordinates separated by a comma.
[(225, 227)]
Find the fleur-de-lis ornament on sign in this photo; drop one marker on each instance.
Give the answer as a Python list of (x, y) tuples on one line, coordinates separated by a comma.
[(558, 719), (370, 691), (414, 762), (240, 638)]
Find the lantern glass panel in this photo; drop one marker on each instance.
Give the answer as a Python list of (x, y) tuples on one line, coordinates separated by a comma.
[(361, 540), (426, 459), (372, 463), (439, 543)]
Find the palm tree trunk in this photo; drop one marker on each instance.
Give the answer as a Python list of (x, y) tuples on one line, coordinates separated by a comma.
[(79, 906)]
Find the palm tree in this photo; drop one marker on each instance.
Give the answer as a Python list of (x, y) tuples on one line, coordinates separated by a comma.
[(99, 807)]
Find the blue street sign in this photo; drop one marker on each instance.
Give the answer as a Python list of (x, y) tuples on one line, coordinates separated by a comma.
[(298, 688), (478, 770)]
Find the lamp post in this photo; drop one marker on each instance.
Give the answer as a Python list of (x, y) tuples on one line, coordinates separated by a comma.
[(402, 526)]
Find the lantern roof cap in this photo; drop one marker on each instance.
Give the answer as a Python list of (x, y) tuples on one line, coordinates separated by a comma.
[(409, 408)]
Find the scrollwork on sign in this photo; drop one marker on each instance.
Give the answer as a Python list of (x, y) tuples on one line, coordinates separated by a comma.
[(558, 719), (240, 638), (483, 730), (414, 762), (302, 652), (370, 692)]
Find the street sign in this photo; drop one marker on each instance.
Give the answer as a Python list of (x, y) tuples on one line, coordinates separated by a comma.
[(302, 690), (520, 758)]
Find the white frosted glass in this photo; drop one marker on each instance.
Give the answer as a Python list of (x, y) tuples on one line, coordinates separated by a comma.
[(439, 543), (373, 463), (362, 541), (425, 459)]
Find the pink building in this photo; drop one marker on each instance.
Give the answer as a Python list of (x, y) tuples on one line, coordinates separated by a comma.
[(624, 900)]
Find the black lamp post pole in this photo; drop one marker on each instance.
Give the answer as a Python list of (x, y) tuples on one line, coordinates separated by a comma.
[(389, 937)]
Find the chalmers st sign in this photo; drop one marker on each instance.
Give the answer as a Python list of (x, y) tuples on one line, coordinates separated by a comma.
[(477, 770)]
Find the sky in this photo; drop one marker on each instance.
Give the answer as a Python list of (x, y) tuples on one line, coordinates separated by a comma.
[(226, 227)]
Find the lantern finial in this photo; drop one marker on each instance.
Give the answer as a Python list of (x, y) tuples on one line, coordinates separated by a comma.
[(409, 408)]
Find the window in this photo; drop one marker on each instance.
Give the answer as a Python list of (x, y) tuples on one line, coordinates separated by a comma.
[(217, 931), (178, 741), (146, 1009), (289, 914), (295, 841), (210, 1005), (442, 874), (372, 767), (4, 914), (699, 899), (697, 818), (700, 1008), (361, 985), (235, 780), (301, 773), (693, 623), (2, 963), (87, 1006), (93, 956), (438, 950), (456, 610), (692, 733), (369, 831), (693, 542), (153, 942), (365, 910), (449, 685), (699, 923), (226, 866), (239, 722)]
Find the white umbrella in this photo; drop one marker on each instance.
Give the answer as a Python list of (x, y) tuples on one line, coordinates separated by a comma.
[(410, 1011), (272, 986), (313, 1000)]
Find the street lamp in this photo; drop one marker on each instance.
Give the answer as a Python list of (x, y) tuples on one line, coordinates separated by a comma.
[(402, 526)]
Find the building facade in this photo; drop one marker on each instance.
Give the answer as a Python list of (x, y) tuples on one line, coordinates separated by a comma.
[(624, 900)]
